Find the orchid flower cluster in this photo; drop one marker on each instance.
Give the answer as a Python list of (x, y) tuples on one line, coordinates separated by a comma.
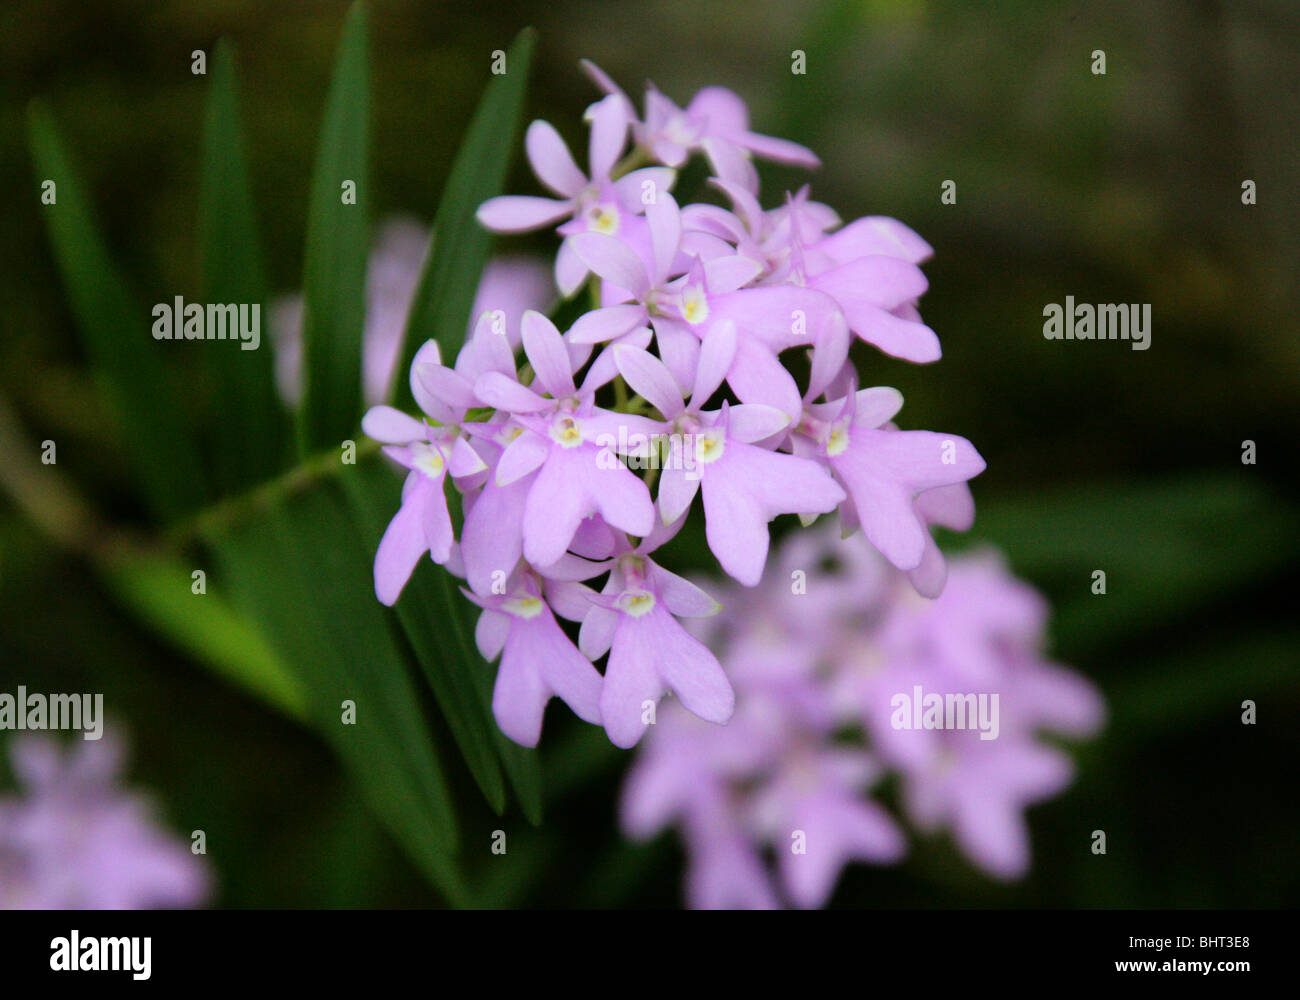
[(714, 360), (825, 656)]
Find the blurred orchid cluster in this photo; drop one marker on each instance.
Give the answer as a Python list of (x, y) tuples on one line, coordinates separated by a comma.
[(714, 359), (74, 839), (825, 656)]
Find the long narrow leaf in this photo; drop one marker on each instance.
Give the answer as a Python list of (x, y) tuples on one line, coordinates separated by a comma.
[(445, 294), (334, 276), (246, 423), (424, 614), (115, 331), (301, 572), (160, 590)]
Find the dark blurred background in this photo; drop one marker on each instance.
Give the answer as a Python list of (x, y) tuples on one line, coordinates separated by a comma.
[(1117, 188)]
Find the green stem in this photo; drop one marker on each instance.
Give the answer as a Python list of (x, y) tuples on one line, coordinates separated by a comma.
[(638, 156), (311, 470)]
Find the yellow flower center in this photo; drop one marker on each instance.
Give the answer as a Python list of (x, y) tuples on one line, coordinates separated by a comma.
[(567, 432), (603, 219), (709, 446), (637, 603), (695, 306), (428, 460), (524, 607)]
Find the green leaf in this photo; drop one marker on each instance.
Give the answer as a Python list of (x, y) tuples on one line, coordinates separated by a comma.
[(443, 299), (424, 612), (116, 333), (246, 422), (334, 270), (158, 589), (438, 623), (301, 571)]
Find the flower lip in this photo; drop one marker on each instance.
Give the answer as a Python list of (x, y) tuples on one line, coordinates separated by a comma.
[(598, 211), (566, 431), (428, 459), (527, 606), (710, 445), (636, 602), (693, 304), (837, 441)]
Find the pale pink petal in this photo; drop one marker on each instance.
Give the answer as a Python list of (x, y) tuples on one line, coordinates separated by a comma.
[(780, 150), (730, 162), (689, 669), (492, 537), (520, 695), (683, 598), (930, 575), (899, 338), (751, 422), (504, 393), (522, 455), (780, 483), (632, 684), (570, 486), (438, 534), (567, 672), (875, 235), (403, 544), (547, 354), (521, 213), (597, 631), (604, 368), (780, 316), (490, 633), (716, 354), (650, 378), (726, 274), (880, 281), (952, 506), (570, 271), (665, 234), (447, 386), (613, 260), (604, 324), (924, 459), (679, 348), (609, 120), (549, 157), (757, 376), (464, 460), (631, 188), (876, 406), (736, 528), (677, 486), (383, 423), (720, 111)]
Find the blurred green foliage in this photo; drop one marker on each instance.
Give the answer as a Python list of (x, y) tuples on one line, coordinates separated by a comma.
[(1124, 187)]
